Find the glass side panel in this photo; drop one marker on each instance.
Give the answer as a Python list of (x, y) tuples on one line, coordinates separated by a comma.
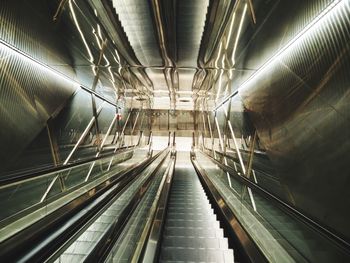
[(85, 243), (124, 248), (278, 234), (32, 199)]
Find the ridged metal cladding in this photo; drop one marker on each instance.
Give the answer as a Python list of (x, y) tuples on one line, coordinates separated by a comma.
[(299, 103), (31, 90)]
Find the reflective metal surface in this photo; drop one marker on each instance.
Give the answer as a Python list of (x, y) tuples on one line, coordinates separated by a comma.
[(263, 86), (299, 105)]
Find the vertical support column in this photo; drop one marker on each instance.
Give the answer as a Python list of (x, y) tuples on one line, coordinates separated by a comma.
[(121, 134), (97, 128), (169, 138), (133, 129), (205, 130), (174, 140), (141, 130), (54, 150), (211, 136), (251, 155), (53, 143), (150, 144)]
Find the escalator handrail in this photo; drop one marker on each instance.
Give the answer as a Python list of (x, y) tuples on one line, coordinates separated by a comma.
[(151, 246), (104, 246), (247, 246), (272, 177), (19, 177), (329, 234), (45, 236)]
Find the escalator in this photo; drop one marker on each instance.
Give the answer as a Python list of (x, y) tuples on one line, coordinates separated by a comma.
[(40, 226), (175, 207), (192, 231)]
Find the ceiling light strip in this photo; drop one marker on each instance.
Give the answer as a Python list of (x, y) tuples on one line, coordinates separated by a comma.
[(318, 19)]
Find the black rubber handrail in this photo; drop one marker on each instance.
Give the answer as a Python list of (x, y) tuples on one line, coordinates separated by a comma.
[(18, 177), (151, 248), (105, 245), (41, 239), (329, 234)]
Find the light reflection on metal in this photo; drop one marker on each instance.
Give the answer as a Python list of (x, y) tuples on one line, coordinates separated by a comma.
[(49, 188), (218, 57), (118, 139), (254, 176), (238, 35), (82, 137), (161, 36), (219, 133), (59, 9), (222, 149), (240, 160), (91, 58), (118, 57), (107, 134), (317, 21), (97, 73), (34, 61), (220, 84), (237, 148), (230, 30), (251, 155), (46, 67), (211, 135), (97, 38)]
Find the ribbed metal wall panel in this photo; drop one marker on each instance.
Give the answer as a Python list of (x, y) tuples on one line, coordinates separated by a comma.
[(29, 95), (299, 103)]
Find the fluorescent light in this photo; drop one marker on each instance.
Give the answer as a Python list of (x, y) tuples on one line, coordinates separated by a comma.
[(303, 33)]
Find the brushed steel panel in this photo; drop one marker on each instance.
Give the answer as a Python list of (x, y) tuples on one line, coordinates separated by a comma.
[(299, 104), (29, 95)]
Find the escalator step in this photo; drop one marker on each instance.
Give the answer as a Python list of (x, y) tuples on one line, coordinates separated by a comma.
[(192, 223), (194, 210), (195, 242), (194, 216), (189, 205), (193, 232), (66, 257), (196, 255)]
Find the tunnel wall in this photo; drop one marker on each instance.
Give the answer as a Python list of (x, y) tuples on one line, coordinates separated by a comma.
[(299, 104), (43, 110), (30, 91)]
